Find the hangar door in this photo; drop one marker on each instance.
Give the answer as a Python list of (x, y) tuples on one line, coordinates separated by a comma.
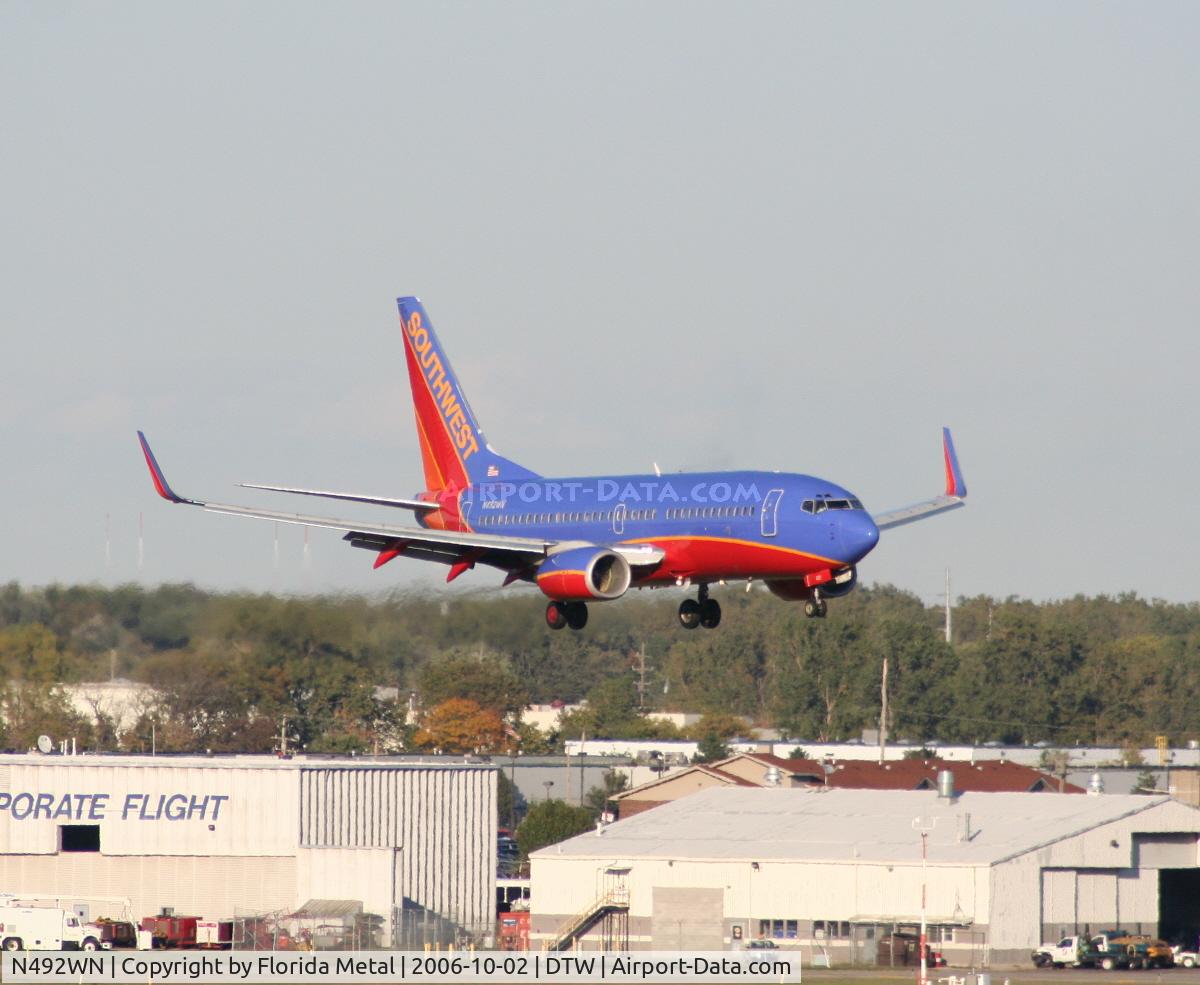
[(1175, 858), (687, 919), (1090, 900)]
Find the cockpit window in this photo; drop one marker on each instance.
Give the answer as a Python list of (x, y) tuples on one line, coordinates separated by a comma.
[(823, 503)]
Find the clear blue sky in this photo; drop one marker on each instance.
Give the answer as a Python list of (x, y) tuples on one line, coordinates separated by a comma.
[(793, 236)]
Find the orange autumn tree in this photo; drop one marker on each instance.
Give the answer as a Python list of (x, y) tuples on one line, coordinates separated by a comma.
[(461, 725)]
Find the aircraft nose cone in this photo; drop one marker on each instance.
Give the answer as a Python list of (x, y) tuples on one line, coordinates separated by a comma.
[(859, 535)]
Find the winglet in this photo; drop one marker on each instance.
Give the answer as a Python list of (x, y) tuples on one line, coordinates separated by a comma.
[(156, 474), (955, 483)]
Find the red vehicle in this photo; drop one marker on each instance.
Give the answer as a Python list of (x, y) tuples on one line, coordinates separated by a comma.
[(171, 931), (514, 931), (117, 933)]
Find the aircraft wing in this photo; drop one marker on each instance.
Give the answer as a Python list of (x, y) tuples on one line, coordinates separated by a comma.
[(459, 549), (954, 496), (390, 540), (404, 504)]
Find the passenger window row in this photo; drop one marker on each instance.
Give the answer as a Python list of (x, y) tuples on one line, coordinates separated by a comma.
[(708, 512)]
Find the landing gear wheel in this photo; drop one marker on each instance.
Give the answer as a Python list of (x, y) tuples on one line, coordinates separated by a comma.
[(811, 609), (689, 613), (822, 608), (556, 615), (710, 614), (576, 615)]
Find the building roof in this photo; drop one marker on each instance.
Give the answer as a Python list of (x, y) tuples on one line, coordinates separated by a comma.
[(903, 774), (990, 775), (667, 778), (819, 824), (240, 761), (996, 775)]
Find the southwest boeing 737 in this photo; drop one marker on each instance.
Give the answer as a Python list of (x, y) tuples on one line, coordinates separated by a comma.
[(591, 539)]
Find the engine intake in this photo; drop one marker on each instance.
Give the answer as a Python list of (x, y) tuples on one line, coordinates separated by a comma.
[(584, 573)]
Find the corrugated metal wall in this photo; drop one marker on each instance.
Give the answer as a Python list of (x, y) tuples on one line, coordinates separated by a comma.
[(1073, 899), (441, 821)]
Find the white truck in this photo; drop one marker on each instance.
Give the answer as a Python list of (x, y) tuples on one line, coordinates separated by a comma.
[(44, 928)]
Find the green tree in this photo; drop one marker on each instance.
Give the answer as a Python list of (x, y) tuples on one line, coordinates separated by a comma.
[(510, 803), (596, 799), (31, 710), (710, 749), (721, 725), (488, 681), (1147, 782), (550, 821)]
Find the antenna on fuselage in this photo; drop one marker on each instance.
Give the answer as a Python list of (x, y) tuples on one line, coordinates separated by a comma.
[(657, 470)]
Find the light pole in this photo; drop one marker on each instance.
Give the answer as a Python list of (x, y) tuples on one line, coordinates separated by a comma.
[(924, 827), (547, 784)]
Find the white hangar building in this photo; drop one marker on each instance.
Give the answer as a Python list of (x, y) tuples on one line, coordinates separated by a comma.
[(222, 837), (833, 871)]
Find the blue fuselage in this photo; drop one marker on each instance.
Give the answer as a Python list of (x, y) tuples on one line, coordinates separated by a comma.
[(711, 524)]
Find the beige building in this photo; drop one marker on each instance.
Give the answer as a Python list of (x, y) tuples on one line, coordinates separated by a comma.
[(832, 871), (223, 837)]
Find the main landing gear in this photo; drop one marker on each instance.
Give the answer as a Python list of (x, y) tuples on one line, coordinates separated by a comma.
[(815, 607), (704, 611), (560, 614)]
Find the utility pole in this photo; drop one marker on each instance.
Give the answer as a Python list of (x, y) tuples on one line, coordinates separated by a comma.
[(948, 624), (883, 711), (641, 684)]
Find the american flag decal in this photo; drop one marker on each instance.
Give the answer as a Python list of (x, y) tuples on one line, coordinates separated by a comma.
[(492, 471)]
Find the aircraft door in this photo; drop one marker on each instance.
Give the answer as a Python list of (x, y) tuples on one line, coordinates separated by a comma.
[(619, 519), (770, 507)]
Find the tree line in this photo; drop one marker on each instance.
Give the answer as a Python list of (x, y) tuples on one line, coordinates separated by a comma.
[(230, 671)]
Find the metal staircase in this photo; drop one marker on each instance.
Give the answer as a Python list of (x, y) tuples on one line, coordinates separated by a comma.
[(613, 907)]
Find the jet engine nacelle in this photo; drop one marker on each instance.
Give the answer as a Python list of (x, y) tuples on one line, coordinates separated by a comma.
[(584, 573), (795, 590)]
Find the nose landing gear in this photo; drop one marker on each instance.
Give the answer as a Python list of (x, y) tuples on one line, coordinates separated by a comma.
[(815, 607), (703, 611)]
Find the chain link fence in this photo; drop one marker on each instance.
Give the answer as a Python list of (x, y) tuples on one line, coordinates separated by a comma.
[(405, 928)]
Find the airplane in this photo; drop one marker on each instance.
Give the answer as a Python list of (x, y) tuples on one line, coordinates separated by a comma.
[(589, 539)]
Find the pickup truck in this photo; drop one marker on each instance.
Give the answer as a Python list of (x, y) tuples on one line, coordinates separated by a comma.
[(1111, 949), (1082, 952)]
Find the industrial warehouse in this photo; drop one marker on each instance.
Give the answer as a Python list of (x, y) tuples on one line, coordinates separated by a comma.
[(839, 871), (406, 851)]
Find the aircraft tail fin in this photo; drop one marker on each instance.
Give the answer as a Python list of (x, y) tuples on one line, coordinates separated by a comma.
[(454, 451)]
